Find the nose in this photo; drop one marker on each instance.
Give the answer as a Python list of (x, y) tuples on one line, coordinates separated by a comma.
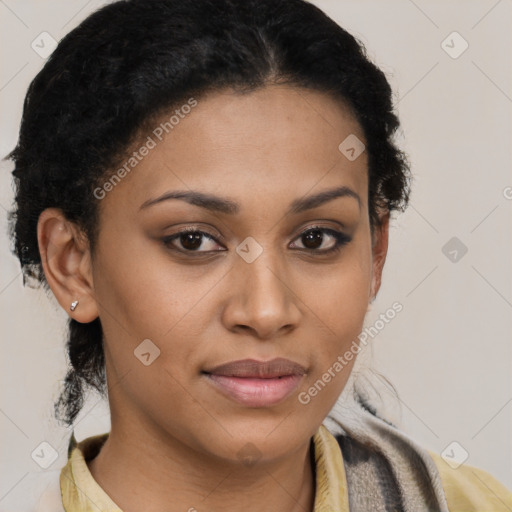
[(262, 301)]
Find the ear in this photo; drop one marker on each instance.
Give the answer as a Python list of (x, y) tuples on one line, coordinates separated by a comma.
[(379, 252), (66, 261)]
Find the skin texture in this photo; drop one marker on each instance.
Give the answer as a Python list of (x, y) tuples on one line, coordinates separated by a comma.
[(173, 434)]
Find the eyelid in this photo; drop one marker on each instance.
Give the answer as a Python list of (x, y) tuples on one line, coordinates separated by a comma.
[(167, 240), (340, 237)]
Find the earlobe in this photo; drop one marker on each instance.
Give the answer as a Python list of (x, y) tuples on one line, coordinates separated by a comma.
[(66, 264)]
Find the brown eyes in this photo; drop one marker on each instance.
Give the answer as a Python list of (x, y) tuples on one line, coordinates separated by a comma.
[(315, 239)]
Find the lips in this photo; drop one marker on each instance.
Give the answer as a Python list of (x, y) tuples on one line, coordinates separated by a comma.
[(258, 369), (256, 383)]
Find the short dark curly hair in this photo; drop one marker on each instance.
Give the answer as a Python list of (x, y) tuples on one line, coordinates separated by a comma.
[(133, 60)]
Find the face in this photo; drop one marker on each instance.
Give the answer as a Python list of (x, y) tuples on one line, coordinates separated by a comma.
[(263, 272)]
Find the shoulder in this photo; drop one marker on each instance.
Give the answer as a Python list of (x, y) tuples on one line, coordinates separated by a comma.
[(468, 488)]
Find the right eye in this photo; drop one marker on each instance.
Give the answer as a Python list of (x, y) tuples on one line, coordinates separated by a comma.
[(191, 240)]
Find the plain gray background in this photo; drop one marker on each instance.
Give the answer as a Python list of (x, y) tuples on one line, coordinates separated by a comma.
[(448, 353)]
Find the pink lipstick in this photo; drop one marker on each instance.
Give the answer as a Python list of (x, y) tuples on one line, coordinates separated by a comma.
[(257, 383)]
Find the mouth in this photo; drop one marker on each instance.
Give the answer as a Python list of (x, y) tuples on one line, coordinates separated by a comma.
[(256, 383)]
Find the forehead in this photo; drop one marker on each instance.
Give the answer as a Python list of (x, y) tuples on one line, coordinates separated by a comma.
[(279, 141)]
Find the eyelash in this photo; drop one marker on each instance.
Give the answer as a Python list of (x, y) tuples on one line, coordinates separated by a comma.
[(341, 240)]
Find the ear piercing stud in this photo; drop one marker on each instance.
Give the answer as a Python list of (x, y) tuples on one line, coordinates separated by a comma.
[(73, 306)]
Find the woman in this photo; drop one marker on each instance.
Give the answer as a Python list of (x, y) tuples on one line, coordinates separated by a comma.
[(206, 188)]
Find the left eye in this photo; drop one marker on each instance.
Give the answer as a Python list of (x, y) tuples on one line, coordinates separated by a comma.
[(313, 239)]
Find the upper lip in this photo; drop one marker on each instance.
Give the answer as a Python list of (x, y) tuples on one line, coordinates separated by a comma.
[(278, 367)]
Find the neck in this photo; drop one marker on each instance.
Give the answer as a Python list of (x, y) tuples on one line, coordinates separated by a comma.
[(141, 470)]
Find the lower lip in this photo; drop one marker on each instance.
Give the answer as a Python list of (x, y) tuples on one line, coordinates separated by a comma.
[(254, 392)]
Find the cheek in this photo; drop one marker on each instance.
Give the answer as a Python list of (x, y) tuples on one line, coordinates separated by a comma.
[(143, 300), (140, 292), (340, 297), (143, 295), (340, 304)]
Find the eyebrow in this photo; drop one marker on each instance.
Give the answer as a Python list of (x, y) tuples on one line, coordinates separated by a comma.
[(227, 206)]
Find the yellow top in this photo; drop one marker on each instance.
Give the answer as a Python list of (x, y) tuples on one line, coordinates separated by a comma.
[(466, 488)]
